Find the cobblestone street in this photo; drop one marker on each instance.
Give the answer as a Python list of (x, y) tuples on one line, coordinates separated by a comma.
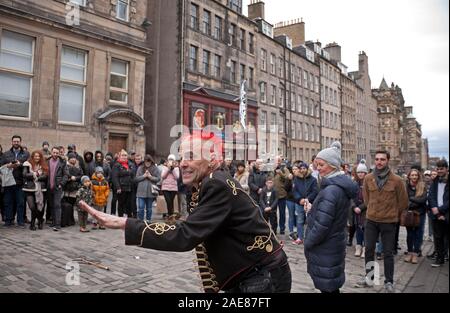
[(36, 262)]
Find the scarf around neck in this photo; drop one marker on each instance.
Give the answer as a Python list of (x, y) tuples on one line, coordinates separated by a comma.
[(381, 176)]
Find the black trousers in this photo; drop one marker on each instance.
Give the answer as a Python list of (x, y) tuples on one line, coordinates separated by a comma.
[(35, 213), (275, 280), (124, 203), (371, 233), (440, 233), (169, 196), (114, 202)]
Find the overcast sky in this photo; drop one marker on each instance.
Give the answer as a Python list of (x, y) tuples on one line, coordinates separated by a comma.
[(407, 42)]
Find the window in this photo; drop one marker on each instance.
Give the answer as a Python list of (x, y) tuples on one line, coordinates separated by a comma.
[(16, 56), (317, 111), (119, 81), (81, 3), (194, 16), (311, 108), (263, 60), (305, 106), (73, 85), (280, 67), (272, 64), (282, 96), (218, 28), (299, 104), (207, 22), (251, 43), (299, 131), (288, 127), (263, 121), (305, 79), (233, 71), (122, 10), (280, 124), (235, 5), (206, 65), (251, 78), (293, 102), (263, 92), (293, 129), (193, 57), (242, 39), (306, 132), (292, 73), (217, 61), (242, 72), (273, 123), (316, 84), (273, 98), (298, 79), (311, 81), (232, 35)]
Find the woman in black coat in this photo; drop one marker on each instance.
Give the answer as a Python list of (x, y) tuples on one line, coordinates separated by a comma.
[(35, 174), (325, 241), (123, 179)]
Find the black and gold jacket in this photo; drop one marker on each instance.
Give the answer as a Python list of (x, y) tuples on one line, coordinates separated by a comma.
[(225, 227)]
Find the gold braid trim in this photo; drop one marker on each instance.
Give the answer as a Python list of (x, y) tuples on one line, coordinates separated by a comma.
[(261, 242), (158, 228), (206, 273)]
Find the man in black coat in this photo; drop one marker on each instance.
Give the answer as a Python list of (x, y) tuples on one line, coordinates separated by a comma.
[(57, 178), (14, 197), (236, 249), (257, 180)]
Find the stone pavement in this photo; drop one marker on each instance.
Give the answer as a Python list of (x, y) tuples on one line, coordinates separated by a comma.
[(36, 262)]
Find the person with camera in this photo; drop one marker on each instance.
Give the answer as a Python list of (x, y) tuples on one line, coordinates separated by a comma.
[(169, 186), (385, 196), (417, 194), (281, 180)]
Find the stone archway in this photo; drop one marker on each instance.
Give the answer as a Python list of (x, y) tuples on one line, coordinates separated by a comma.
[(123, 124)]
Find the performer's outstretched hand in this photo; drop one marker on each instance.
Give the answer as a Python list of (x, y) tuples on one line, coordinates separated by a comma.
[(106, 220)]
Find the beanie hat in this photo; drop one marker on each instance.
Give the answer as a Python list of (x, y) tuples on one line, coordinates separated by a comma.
[(332, 155), (99, 169), (71, 155), (84, 178), (362, 167), (171, 157), (303, 164)]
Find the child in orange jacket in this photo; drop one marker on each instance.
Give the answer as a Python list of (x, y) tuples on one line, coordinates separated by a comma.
[(101, 192)]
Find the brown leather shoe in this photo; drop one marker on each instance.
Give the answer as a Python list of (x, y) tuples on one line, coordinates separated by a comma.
[(408, 258), (414, 258)]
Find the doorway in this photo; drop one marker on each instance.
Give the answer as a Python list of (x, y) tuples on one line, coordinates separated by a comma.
[(117, 142)]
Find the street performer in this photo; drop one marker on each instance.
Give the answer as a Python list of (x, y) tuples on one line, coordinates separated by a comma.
[(236, 250)]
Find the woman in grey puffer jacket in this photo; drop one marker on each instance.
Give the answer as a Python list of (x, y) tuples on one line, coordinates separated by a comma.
[(325, 241)]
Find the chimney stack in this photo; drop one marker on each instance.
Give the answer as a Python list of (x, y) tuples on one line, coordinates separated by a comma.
[(294, 29), (256, 10)]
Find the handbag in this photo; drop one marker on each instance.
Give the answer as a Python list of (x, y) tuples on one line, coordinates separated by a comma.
[(410, 218)]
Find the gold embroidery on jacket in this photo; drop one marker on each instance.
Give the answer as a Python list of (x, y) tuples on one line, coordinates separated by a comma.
[(158, 228), (261, 242)]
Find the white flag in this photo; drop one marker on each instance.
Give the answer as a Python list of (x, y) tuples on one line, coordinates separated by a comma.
[(243, 105)]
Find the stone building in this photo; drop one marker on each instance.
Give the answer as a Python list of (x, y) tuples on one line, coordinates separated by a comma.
[(366, 113), (288, 93), (400, 132), (204, 50), (73, 72)]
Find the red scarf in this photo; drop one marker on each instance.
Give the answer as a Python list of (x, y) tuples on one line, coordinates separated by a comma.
[(124, 164)]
